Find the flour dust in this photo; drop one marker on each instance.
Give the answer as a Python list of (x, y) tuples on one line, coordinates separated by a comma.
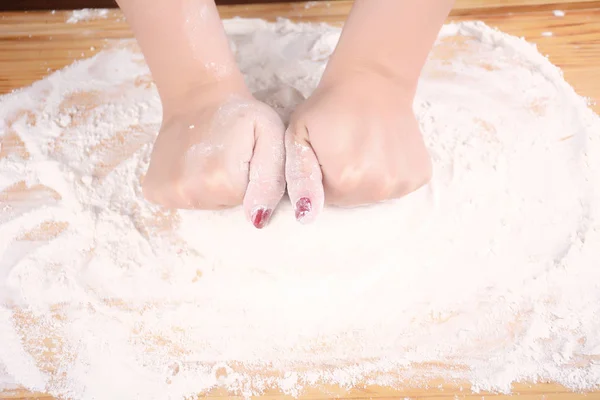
[(491, 272)]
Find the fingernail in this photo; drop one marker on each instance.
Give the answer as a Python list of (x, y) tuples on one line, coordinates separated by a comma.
[(260, 217), (303, 207)]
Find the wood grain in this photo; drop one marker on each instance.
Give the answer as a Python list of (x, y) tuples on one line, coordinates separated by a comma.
[(25, 5), (436, 391), (36, 43)]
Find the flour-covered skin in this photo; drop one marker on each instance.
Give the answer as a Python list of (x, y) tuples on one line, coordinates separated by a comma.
[(218, 146), (354, 142), (370, 149), (222, 149), (358, 127)]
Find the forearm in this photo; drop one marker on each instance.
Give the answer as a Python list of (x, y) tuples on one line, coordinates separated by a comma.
[(183, 42), (393, 37)]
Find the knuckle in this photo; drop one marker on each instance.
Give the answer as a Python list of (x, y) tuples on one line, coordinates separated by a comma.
[(383, 189), (211, 182), (341, 181), (298, 130), (353, 184), (224, 188)]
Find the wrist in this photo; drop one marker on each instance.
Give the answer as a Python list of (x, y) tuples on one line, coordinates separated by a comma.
[(175, 88), (203, 93), (368, 69)]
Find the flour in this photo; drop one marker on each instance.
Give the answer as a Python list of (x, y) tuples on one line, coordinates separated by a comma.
[(493, 269), (87, 14), (6, 381)]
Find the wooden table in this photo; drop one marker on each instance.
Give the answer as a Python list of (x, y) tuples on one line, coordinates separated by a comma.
[(36, 43)]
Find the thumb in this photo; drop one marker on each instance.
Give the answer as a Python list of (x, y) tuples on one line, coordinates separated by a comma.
[(266, 184), (303, 175)]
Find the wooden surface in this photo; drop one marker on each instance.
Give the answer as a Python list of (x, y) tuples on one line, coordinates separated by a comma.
[(33, 44), (436, 391), (23, 5)]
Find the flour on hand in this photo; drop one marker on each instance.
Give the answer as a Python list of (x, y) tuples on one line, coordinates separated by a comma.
[(491, 272)]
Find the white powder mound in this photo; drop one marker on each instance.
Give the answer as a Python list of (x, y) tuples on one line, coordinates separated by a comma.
[(6, 381), (490, 275), (87, 14)]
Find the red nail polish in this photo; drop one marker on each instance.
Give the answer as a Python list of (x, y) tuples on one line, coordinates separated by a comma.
[(303, 207), (260, 217)]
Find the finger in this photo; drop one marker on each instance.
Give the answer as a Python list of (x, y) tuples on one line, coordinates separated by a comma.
[(266, 184), (303, 175)]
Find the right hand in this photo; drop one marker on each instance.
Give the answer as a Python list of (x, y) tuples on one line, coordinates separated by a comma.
[(348, 149), (218, 148)]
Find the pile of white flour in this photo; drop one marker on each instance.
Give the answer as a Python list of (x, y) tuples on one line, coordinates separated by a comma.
[(87, 14), (489, 275)]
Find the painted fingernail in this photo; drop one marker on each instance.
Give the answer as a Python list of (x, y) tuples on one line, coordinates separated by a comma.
[(303, 207), (260, 217)]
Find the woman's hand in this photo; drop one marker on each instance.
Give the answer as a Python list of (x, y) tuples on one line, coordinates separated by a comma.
[(354, 141), (218, 147)]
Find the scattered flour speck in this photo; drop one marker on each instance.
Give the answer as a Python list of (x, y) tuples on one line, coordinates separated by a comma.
[(487, 276), (87, 14)]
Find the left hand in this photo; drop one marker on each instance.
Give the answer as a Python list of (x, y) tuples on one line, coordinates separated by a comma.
[(219, 147)]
